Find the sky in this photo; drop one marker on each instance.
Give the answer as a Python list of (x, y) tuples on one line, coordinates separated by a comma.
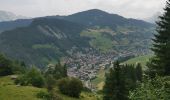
[(140, 9)]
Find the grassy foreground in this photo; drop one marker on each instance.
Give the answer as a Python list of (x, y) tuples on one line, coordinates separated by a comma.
[(10, 91)]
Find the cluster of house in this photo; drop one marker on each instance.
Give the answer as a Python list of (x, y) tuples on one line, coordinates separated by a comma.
[(85, 65)]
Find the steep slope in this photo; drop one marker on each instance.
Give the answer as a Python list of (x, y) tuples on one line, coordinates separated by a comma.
[(44, 40), (9, 25)]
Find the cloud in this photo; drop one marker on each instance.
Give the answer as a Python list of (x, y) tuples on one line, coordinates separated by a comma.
[(128, 8)]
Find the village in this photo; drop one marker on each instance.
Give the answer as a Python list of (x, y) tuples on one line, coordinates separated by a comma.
[(86, 65)]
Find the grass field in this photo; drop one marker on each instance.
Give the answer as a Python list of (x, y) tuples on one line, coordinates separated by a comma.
[(141, 59), (10, 91), (100, 42)]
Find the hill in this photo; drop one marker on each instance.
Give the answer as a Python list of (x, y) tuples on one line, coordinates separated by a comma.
[(43, 40), (141, 59), (9, 91), (50, 38), (95, 17), (9, 25)]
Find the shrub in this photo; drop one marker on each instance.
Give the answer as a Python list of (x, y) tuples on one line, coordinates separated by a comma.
[(70, 86), (44, 95), (33, 77)]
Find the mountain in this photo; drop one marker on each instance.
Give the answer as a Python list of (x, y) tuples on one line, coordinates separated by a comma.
[(8, 16), (9, 25), (50, 38), (43, 40), (100, 18)]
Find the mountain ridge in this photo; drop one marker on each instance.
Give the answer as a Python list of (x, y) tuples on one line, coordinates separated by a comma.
[(49, 38), (9, 25)]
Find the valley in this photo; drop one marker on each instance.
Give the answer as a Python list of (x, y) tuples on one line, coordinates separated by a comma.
[(64, 49), (50, 38), (88, 64)]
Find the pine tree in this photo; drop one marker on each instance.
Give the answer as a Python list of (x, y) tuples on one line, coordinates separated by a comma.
[(65, 70), (50, 82), (115, 86), (129, 73), (160, 64), (139, 72)]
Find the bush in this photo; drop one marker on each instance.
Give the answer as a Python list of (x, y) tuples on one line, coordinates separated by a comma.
[(22, 80), (33, 77), (44, 95), (70, 86)]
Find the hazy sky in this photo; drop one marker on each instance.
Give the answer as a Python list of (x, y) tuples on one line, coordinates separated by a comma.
[(128, 8)]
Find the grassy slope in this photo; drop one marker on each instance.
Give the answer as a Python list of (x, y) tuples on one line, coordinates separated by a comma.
[(98, 41), (9, 91), (84, 96), (141, 59), (99, 81)]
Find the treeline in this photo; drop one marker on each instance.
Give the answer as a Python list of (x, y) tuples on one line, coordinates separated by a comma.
[(9, 67), (130, 82), (120, 80)]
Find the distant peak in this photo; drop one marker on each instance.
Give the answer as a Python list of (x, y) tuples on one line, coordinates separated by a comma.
[(96, 10)]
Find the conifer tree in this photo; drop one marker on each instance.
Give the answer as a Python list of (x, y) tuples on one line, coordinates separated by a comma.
[(139, 72), (129, 73), (160, 64), (115, 86)]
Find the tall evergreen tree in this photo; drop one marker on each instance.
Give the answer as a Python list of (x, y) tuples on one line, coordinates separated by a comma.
[(139, 72), (65, 70), (115, 86), (129, 73), (5, 66), (160, 64)]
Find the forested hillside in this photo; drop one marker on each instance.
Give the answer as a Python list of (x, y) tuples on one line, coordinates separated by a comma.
[(47, 39)]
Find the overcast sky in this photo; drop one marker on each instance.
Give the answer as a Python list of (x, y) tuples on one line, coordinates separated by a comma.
[(128, 8)]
